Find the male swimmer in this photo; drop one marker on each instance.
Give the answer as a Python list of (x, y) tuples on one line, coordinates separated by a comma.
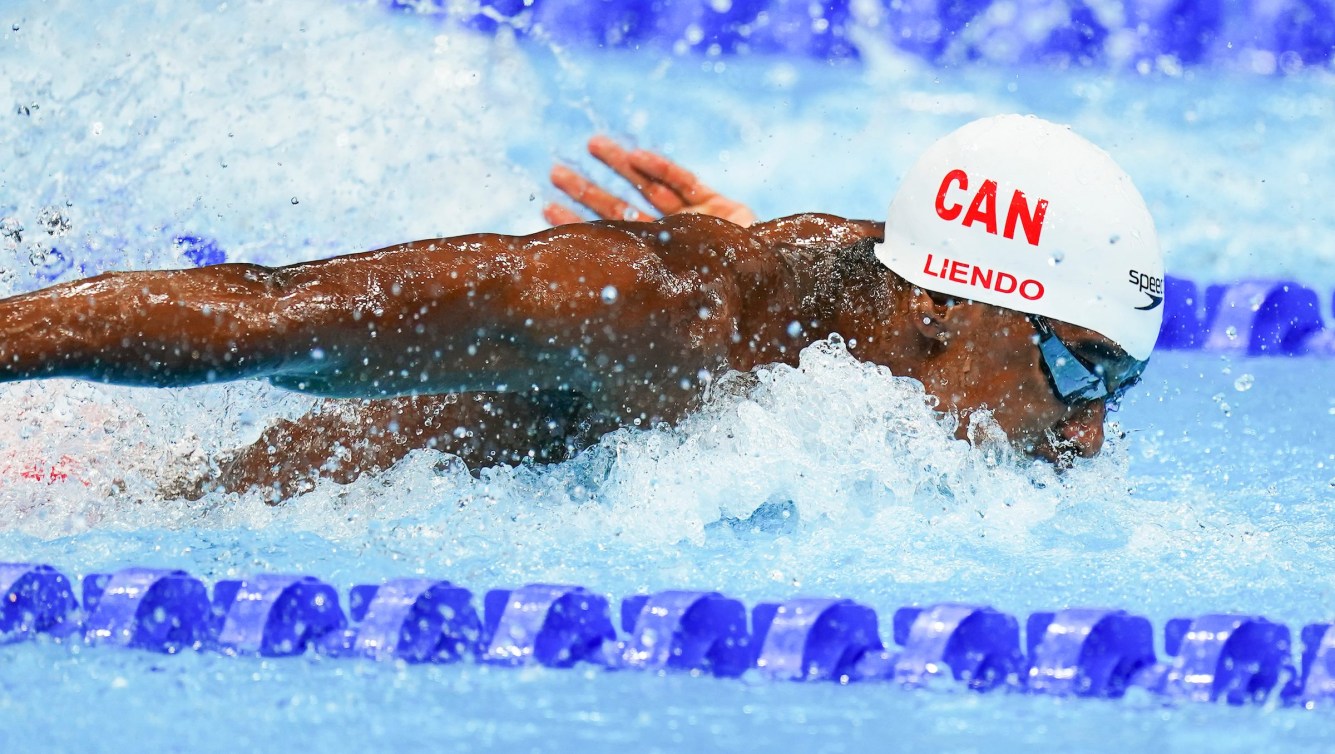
[(1016, 272)]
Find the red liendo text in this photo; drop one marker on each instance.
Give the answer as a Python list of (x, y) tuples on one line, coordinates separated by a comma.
[(983, 277)]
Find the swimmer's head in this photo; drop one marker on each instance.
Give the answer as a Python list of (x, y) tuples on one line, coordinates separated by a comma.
[(1040, 278), (1024, 214)]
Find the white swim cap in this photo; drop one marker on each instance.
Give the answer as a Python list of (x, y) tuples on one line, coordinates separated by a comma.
[(1022, 213)]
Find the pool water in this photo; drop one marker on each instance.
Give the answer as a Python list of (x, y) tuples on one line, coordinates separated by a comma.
[(276, 132)]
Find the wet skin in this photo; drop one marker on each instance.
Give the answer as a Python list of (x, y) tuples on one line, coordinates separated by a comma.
[(502, 347)]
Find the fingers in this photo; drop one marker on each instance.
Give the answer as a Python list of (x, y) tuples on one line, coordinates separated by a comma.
[(613, 155), (667, 186), (559, 214), (691, 195), (671, 175), (599, 201)]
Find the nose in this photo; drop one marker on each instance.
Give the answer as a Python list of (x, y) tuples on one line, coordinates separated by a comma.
[(1083, 429)]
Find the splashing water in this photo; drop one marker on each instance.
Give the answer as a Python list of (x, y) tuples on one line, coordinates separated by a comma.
[(126, 134), (136, 134)]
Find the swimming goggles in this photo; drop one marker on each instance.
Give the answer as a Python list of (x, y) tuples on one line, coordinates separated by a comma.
[(1075, 382)]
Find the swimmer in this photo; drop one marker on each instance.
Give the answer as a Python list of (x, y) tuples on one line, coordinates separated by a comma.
[(1018, 273)]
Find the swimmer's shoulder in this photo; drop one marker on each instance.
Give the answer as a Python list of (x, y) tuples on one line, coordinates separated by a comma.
[(687, 236), (817, 229)]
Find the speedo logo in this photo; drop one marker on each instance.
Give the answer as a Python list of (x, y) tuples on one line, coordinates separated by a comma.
[(1148, 285)]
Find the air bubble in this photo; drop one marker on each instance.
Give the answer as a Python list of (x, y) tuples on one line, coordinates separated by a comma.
[(1231, 332), (1243, 383)]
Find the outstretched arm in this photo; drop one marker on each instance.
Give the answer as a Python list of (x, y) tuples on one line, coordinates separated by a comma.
[(480, 312), (668, 187), (147, 328)]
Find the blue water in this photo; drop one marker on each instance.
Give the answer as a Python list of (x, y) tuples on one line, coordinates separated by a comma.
[(289, 131)]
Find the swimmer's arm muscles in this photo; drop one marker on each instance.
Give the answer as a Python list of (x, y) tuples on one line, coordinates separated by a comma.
[(429, 317)]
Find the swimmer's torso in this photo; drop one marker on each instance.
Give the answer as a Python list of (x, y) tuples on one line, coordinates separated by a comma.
[(635, 316)]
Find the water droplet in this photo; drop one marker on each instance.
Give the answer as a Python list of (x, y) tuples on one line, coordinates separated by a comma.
[(1231, 332), (295, 200), (794, 329), (610, 294), (664, 236), (12, 231), (54, 221), (1056, 258), (41, 256), (1243, 383)]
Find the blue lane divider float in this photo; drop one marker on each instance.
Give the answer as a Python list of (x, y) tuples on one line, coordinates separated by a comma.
[(1251, 317), (976, 645), (1315, 685), (35, 599), (809, 639), (1275, 36), (681, 630), (415, 620), (1238, 658), (274, 615), (1080, 652), (146, 608), (1087, 652), (546, 624)]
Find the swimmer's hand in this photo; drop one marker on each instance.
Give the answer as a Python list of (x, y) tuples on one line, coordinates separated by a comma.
[(667, 186)]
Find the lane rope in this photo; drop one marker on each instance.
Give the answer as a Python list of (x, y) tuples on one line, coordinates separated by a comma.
[(1081, 652)]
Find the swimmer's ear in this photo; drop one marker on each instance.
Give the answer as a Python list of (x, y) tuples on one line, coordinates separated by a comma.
[(930, 312)]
